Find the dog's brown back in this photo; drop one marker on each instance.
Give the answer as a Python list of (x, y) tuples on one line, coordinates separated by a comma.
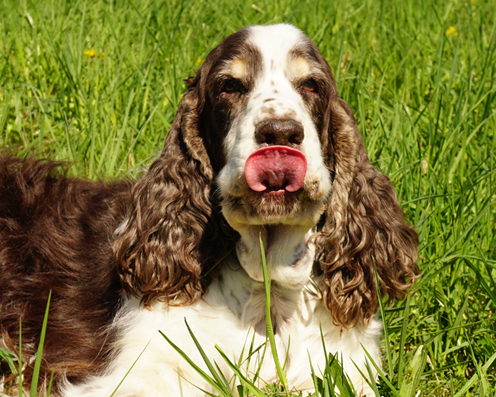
[(55, 235)]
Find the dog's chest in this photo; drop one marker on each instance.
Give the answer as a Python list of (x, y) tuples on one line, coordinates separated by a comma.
[(228, 326), (229, 319)]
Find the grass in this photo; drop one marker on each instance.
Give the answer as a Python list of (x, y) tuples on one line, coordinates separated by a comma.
[(98, 83)]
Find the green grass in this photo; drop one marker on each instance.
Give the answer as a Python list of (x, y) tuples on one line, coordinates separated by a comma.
[(419, 75)]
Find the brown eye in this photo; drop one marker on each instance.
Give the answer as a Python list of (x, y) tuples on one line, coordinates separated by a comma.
[(310, 85), (231, 86)]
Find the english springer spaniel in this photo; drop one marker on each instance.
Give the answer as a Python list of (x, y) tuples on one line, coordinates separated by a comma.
[(261, 147)]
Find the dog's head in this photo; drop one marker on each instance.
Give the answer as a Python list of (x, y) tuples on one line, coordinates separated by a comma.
[(261, 137)]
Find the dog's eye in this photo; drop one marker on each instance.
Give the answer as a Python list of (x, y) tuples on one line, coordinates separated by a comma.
[(231, 86), (310, 85)]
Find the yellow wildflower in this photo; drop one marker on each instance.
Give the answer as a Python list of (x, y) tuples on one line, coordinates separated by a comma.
[(90, 53), (451, 30), (199, 61)]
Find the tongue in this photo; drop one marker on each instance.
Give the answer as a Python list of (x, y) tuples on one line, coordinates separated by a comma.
[(276, 168)]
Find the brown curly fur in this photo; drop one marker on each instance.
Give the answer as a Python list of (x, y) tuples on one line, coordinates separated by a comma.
[(175, 234), (55, 235)]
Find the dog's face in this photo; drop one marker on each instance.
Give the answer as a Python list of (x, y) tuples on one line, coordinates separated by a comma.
[(267, 98)]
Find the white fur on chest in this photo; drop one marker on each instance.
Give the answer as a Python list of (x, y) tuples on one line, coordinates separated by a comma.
[(230, 315)]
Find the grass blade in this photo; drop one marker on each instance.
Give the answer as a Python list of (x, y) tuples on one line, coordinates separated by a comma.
[(246, 382), (202, 373), (129, 370), (413, 373), (37, 363), (221, 383), (270, 329)]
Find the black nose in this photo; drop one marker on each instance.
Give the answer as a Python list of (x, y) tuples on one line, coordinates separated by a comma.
[(279, 132)]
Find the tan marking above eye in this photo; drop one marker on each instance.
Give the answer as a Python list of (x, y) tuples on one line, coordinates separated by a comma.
[(238, 68), (298, 67)]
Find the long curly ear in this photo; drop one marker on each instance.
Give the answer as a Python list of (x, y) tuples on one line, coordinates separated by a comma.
[(173, 231), (363, 227)]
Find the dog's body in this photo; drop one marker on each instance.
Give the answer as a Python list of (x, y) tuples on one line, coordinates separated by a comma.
[(231, 315), (261, 148)]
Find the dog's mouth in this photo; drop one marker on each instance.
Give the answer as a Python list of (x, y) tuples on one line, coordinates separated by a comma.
[(276, 170)]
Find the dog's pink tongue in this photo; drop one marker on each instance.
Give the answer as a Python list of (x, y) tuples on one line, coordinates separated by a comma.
[(276, 168)]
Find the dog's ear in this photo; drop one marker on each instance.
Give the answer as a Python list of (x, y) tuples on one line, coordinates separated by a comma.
[(363, 228), (173, 236)]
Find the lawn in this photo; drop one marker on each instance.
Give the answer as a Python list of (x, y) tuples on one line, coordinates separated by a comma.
[(98, 82)]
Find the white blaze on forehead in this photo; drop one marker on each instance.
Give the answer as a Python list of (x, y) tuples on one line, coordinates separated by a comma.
[(275, 43), (274, 89)]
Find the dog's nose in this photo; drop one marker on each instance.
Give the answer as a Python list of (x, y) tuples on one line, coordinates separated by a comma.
[(279, 132)]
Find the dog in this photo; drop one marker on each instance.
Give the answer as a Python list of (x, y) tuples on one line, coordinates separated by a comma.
[(262, 154)]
